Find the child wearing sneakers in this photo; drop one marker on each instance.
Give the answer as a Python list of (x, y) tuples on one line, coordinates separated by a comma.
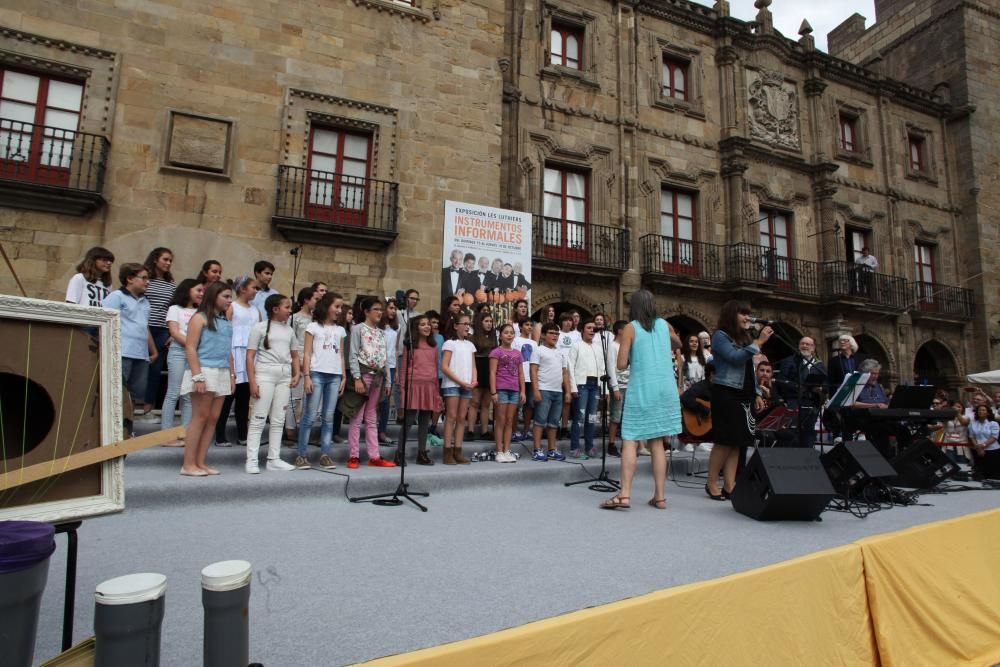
[(524, 343), (272, 371), (551, 388), (506, 390), (370, 370), (138, 348), (323, 371)]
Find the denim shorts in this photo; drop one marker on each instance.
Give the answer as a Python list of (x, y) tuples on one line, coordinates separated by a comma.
[(456, 391), (506, 397), (616, 407), (548, 411)]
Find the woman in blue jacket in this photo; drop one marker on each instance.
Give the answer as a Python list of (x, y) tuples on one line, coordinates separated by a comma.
[(735, 394)]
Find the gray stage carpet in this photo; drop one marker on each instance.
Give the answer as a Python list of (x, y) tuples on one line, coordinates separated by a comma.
[(502, 545)]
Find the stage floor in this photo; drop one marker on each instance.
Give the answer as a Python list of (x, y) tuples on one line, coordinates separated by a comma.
[(502, 545)]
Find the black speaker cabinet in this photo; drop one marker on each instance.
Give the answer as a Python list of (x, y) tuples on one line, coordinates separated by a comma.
[(852, 464), (783, 485), (922, 465), (60, 394)]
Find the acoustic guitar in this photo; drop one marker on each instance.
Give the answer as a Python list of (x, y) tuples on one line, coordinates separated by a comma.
[(695, 424)]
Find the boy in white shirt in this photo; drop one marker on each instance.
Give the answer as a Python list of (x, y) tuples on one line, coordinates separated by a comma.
[(524, 344), (551, 389), (568, 337)]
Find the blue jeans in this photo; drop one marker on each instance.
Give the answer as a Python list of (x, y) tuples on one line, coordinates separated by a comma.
[(585, 415), (325, 388), (176, 363), (160, 337), (134, 374), (383, 415)]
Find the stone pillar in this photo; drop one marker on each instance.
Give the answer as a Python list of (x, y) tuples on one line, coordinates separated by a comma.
[(736, 223), (831, 248)]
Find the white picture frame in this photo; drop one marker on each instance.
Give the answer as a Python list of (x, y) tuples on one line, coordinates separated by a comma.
[(108, 333)]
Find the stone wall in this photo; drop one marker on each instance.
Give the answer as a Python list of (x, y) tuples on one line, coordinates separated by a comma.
[(432, 71)]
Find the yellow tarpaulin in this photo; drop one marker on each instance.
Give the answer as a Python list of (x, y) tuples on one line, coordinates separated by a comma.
[(934, 592), (807, 611)]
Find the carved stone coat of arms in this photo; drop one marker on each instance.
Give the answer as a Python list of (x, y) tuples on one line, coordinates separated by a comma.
[(774, 109)]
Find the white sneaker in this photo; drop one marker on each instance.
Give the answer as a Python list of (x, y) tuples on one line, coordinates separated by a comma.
[(253, 468), (705, 446), (689, 448), (505, 457), (278, 464), (643, 452)]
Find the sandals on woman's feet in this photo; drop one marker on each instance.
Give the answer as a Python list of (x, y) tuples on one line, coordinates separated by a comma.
[(616, 503), (660, 504)]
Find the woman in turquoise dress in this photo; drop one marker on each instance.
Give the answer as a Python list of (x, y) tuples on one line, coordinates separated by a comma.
[(652, 405)]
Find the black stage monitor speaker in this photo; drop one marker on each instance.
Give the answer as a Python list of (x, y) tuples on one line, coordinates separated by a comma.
[(783, 484), (922, 466), (854, 463)]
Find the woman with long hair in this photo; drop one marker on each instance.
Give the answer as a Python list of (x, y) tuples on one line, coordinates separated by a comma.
[(210, 376), (983, 438), (159, 292), (186, 300), (452, 308), (484, 337), (390, 325), (272, 367), (211, 271), (302, 316), (369, 366), (243, 315), (735, 394), (92, 281), (694, 362), (422, 398), (652, 409)]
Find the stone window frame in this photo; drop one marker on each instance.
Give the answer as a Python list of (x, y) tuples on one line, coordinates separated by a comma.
[(96, 69), (926, 137), (411, 9), (662, 50), (307, 108), (166, 166), (584, 22), (862, 153)]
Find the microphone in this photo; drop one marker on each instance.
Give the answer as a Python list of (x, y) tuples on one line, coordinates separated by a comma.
[(400, 300), (762, 322)]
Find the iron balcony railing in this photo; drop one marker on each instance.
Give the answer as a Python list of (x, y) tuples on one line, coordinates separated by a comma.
[(684, 259), (583, 243), (748, 263), (942, 299), (52, 156), (336, 199), (848, 280)]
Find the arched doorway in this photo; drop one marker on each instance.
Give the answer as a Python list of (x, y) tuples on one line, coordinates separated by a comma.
[(870, 346), (686, 326), (935, 365), (784, 343)]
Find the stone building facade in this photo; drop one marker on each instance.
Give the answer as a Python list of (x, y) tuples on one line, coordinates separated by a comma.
[(658, 143)]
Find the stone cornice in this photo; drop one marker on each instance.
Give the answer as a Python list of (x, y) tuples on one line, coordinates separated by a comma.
[(342, 101), (894, 194), (22, 36), (611, 120), (688, 14)]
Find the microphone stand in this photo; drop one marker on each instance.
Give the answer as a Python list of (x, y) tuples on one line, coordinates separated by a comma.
[(403, 490), (602, 482)]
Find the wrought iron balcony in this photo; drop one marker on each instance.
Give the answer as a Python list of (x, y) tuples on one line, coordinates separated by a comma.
[(942, 300), (668, 259), (51, 169), (567, 245), (759, 266), (850, 282), (335, 209)]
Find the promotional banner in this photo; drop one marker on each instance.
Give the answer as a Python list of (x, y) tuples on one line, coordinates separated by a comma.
[(486, 257)]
